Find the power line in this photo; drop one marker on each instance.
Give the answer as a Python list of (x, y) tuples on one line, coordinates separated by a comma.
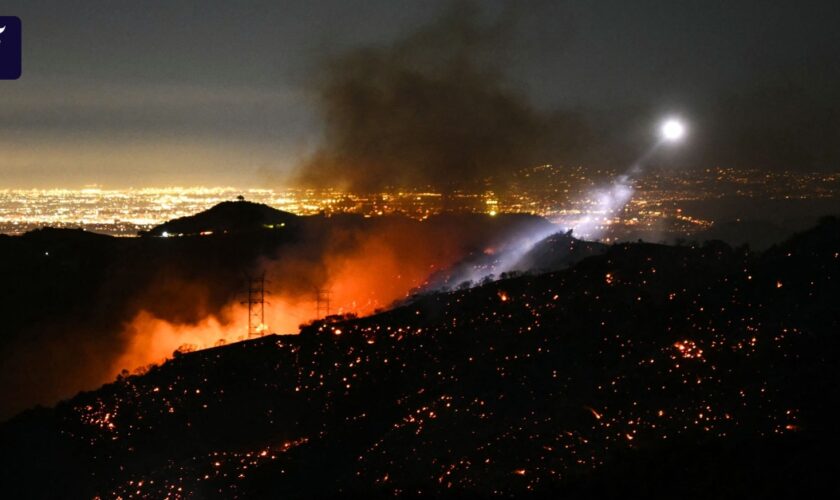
[(256, 306), (322, 302)]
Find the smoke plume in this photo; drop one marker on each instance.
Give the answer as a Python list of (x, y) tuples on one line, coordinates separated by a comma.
[(432, 109)]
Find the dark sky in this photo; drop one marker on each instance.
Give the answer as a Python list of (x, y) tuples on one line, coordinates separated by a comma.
[(153, 93)]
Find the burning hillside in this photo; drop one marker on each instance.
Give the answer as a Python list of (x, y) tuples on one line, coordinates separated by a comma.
[(675, 364), (90, 306)]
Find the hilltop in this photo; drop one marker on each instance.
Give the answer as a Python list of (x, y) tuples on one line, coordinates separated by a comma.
[(698, 371), (558, 251), (227, 217)]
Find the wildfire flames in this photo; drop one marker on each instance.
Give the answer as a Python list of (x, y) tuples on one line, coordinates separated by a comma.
[(147, 298), (380, 270)]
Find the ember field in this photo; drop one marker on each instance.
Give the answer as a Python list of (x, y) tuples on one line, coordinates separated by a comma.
[(691, 371)]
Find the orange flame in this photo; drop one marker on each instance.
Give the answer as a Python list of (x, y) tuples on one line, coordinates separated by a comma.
[(382, 268)]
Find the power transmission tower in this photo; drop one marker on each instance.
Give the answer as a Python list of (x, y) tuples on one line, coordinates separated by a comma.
[(256, 306), (322, 302)]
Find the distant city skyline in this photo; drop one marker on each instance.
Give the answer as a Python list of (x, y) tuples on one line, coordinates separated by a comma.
[(666, 204)]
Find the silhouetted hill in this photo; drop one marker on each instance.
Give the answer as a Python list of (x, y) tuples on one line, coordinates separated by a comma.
[(650, 370), (227, 217), (558, 251), (509, 256), (758, 234), (51, 235), (819, 241)]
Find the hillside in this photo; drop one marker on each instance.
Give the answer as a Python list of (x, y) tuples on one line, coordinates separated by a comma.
[(227, 217), (558, 251), (696, 371), (71, 293)]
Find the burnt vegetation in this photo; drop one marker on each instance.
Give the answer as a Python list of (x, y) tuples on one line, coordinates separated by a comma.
[(689, 371)]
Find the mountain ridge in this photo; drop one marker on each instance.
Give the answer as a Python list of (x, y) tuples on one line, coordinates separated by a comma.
[(226, 217), (530, 386)]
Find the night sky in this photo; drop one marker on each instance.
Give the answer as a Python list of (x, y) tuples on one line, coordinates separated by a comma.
[(154, 93)]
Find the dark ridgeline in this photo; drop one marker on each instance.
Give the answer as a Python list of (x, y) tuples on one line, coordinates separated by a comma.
[(68, 294), (696, 371), (228, 217)]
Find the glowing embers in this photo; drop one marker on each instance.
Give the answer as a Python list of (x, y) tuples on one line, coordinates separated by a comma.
[(98, 415), (183, 478), (688, 349), (441, 428)]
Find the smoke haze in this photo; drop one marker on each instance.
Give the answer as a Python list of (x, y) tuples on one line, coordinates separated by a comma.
[(432, 109)]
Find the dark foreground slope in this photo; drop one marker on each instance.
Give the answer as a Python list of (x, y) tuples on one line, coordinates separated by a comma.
[(692, 372)]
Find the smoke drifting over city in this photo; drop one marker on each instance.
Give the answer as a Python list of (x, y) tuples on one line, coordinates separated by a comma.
[(431, 109), (440, 108)]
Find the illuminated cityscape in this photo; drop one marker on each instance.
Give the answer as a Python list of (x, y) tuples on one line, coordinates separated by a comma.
[(557, 193)]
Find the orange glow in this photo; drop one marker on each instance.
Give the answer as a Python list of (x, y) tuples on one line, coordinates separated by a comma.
[(152, 340), (375, 275), (688, 349), (382, 267)]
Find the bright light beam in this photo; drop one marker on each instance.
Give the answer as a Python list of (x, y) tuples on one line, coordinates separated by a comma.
[(610, 200), (605, 205), (672, 130)]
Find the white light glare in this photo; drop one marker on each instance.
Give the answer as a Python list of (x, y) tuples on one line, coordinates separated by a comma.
[(672, 130)]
